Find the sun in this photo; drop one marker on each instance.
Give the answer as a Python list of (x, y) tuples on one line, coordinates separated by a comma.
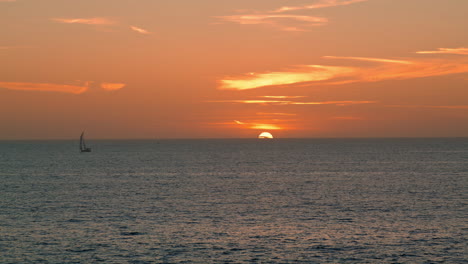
[(265, 135)]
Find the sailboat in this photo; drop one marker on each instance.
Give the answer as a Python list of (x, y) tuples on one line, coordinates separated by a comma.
[(83, 147)]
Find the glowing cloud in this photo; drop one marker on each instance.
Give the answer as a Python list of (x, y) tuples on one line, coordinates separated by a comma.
[(282, 96), (112, 86), (140, 30), (276, 114), (256, 125), (459, 51), (272, 102), (265, 126), (386, 69), (86, 21), (250, 101), (44, 87), (306, 73), (339, 103)]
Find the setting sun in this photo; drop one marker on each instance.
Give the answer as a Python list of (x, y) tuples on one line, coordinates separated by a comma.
[(265, 135)]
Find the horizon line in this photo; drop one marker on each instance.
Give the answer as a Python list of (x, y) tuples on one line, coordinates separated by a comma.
[(236, 138)]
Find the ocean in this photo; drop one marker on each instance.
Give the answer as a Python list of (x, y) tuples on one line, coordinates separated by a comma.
[(235, 201)]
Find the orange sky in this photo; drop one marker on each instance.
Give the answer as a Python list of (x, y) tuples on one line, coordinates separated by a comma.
[(233, 69)]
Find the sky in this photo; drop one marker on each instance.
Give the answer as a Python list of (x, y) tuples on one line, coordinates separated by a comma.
[(155, 69)]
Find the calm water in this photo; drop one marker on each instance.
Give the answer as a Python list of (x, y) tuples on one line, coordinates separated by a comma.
[(235, 201)]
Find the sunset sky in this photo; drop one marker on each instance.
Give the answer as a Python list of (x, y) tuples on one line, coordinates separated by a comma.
[(233, 69)]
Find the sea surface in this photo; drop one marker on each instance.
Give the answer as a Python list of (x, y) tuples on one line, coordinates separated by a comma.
[(235, 201)]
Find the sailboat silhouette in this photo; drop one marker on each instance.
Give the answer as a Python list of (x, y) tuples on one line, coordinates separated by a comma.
[(83, 147)]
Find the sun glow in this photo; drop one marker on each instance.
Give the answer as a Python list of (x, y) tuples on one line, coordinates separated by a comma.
[(265, 135)]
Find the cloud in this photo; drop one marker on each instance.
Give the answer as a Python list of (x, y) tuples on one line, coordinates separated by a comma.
[(462, 107), (140, 30), (320, 4), (251, 101), (339, 103), (97, 21), (300, 74), (276, 114), (7, 1), (278, 21), (417, 69), (347, 118), (288, 22), (255, 125), (385, 69), (370, 59), (85, 21), (112, 86), (44, 87), (450, 106), (459, 51), (284, 102), (283, 96)]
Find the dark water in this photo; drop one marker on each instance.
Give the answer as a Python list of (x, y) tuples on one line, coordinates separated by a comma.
[(235, 201)]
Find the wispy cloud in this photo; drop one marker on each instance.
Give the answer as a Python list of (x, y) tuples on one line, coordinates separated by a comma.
[(140, 30), (385, 69), (417, 69), (85, 21), (275, 114), (112, 86), (44, 87), (284, 102), (300, 74), (339, 103), (283, 96), (370, 59), (281, 22), (347, 118), (288, 22), (99, 21), (265, 102), (459, 51), (251, 101), (462, 107), (449, 106), (63, 88), (319, 4)]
